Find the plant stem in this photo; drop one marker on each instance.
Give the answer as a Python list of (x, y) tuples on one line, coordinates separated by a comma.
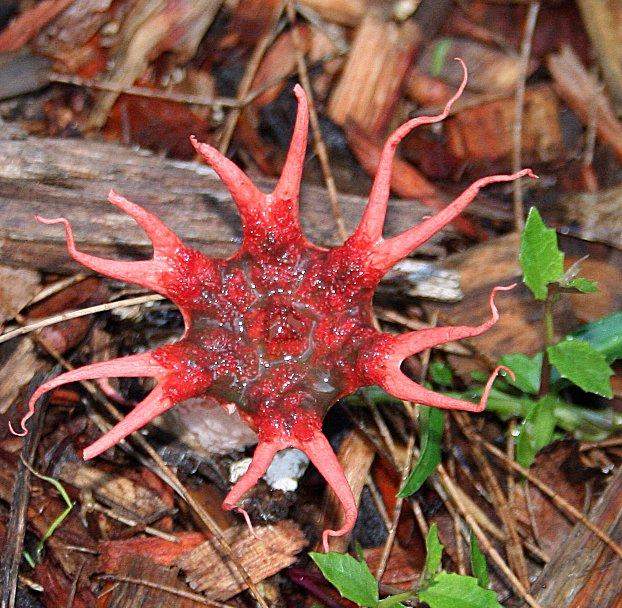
[(549, 338)]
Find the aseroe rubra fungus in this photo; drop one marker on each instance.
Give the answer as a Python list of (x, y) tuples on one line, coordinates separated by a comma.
[(283, 328)]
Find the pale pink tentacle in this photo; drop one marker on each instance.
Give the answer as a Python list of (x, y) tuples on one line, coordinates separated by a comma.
[(264, 453), (133, 366), (156, 403), (251, 202), (417, 341), (165, 241), (402, 387), (288, 187), (147, 273), (370, 227), (325, 461), (387, 252)]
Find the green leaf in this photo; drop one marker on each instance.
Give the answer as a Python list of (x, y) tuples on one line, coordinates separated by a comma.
[(536, 431), (526, 369), (395, 600), (584, 366), (479, 567), (540, 258), (351, 578), (441, 373), (455, 591), (582, 284), (431, 422), (433, 555), (605, 335)]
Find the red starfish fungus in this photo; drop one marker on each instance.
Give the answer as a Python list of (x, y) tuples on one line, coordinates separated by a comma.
[(283, 328)]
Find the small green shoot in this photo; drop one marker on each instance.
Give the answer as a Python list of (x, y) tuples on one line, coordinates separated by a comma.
[(431, 422), (57, 522)]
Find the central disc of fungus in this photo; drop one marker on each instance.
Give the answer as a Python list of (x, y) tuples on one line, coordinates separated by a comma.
[(283, 328)]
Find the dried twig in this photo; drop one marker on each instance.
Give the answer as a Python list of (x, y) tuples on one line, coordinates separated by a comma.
[(247, 80), (525, 52), (195, 597), (513, 543), (320, 147), (74, 314)]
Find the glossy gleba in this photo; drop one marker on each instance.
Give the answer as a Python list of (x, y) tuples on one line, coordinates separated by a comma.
[(283, 328)]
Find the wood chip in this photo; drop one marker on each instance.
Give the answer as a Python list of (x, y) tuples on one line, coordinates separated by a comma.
[(275, 549), (126, 594), (115, 491), (370, 83), (17, 288), (580, 90)]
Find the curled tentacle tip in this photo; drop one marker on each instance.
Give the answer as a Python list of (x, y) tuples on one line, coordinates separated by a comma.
[(507, 370), (21, 433), (248, 521), (530, 173), (51, 220), (504, 287)]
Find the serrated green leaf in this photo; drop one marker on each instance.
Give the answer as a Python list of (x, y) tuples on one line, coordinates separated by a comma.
[(479, 567), (441, 373), (431, 422), (582, 284), (433, 555), (536, 431), (456, 591), (605, 335), (351, 578), (540, 258), (526, 369), (584, 366)]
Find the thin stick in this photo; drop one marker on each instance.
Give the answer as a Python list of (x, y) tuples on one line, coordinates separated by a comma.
[(557, 500), (318, 140), (247, 80), (483, 540), (201, 100), (397, 510), (519, 102), (74, 314), (513, 543), (195, 597)]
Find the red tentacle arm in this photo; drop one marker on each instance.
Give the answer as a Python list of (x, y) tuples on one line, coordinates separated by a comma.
[(388, 252), (322, 456), (133, 366), (288, 186), (383, 367), (156, 403), (250, 201), (147, 273), (418, 341), (264, 453), (369, 230)]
